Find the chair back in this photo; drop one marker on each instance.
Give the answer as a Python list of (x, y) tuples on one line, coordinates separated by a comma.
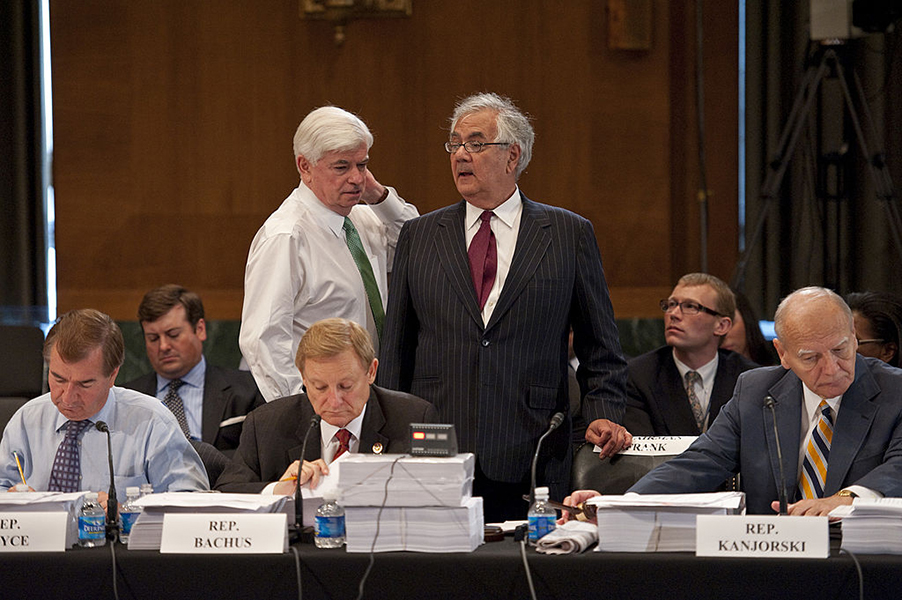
[(22, 363), (614, 475)]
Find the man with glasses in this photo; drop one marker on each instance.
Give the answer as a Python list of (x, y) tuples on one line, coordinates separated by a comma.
[(484, 293), (679, 388)]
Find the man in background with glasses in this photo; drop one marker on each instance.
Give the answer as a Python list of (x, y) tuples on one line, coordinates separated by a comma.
[(484, 293), (679, 388)]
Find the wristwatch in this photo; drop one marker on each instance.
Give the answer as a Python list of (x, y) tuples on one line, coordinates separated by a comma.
[(846, 494)]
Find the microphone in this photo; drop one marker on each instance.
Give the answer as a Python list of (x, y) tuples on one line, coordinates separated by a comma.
[(556, 421), (298, 500), (770, 403), (112, 503)]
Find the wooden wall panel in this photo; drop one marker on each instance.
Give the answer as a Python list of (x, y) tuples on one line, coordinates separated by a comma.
[(174, 119)]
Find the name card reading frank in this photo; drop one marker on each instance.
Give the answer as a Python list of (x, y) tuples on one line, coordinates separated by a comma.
[(762, 536), (224, 533)]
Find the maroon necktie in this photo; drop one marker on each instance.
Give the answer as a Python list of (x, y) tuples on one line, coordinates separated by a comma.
[(483, 259), (344, 436)]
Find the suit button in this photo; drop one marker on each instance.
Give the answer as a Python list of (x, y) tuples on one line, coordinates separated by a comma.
[(485, 343)]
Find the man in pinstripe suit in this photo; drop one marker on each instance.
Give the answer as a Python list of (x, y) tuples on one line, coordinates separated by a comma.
[(492, 357)]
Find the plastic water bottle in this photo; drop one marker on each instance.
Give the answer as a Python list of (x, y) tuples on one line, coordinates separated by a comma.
[(330, 523), (542, 517), (146, 489), (128, 512), (91, 523)]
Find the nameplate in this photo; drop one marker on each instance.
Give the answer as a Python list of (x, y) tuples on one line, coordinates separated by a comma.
[(762, 536), (33, 531), (224, 533), (657, 445)]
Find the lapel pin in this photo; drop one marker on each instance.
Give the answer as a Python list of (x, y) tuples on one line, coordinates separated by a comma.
[(377, 448)]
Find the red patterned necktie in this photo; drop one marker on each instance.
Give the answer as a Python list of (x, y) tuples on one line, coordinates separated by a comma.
[(483, 259), (344, 437)]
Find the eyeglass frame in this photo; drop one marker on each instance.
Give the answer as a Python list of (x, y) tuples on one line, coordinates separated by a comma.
[(871, 341), (667, 305), (480, 146)]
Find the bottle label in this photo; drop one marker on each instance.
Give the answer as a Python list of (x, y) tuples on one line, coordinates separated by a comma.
[(91, 528), (330, 527), (539, 526), (128, 519)]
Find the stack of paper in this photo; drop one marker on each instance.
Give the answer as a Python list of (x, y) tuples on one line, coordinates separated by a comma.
[(415, 529), (69, 503), (871, 526), (426, 503), (658, 522), (415, 480), (148, 528)]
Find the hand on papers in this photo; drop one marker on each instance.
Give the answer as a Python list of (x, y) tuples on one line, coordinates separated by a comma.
[(311, 471), (609, 436), (373, 190), (816, 507), (16, 487), (576, 499)]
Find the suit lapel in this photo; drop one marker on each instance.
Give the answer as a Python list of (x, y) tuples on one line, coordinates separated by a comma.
[(856, 414), (373, 422), (787, 394), (314, 450), (532, 242), (724, 382), (451, 249), (214, 403)]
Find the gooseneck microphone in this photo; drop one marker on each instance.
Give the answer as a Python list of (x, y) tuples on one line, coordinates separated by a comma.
[(556, 421), (770, 403), (112, 503), (298, 500)]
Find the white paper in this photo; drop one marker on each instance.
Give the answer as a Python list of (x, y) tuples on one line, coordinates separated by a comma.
[(657, 445)]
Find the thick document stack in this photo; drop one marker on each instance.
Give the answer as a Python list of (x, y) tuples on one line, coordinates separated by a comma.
[(658, 522), (147, 531), (426, 503), (871, 526), (69, 503)]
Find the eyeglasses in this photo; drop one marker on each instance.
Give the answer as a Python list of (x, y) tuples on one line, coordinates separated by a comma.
[(874, 341), (472, 147), (687, 307)]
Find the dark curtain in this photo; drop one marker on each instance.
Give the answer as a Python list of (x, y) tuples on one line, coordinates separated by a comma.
[(825, 226), (23, 288)]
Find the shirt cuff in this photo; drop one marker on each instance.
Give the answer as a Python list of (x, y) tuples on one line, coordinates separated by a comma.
[(391, 209), (270, 489), (863, 492)]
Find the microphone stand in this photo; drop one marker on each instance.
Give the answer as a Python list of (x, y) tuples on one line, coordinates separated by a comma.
[(556, 421), (112, 503), (298, 499), (770, 403)]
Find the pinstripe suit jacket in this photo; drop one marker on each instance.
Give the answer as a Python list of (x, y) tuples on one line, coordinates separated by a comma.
[(500, 383)]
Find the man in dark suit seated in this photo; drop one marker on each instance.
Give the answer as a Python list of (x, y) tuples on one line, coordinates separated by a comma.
[(209, 402), (680, 388), (839, 417), (338, 364)]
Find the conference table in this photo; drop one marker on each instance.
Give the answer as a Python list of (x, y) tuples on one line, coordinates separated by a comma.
[(495, 570)]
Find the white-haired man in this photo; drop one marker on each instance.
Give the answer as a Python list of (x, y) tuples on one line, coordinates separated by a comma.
[(325, 252)]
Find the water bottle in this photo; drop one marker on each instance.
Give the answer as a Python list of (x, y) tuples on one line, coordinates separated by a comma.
[(146, 489), (128, 512), (91, 523), (330, 523), (542, 517)]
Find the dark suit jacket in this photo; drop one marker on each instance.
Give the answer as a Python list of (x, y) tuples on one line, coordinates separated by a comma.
[(656, 400), (499, 384), (273, 435), (866, 448), (228, 393)]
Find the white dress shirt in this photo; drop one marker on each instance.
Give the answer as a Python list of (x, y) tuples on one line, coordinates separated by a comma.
[(707, 372), (299, 271), (505, 224)]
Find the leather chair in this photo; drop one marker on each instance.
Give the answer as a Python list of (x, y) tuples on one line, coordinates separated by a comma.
[(22, 370), (612, 475)]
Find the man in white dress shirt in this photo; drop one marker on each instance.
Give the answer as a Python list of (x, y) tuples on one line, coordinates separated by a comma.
[(325, 252)]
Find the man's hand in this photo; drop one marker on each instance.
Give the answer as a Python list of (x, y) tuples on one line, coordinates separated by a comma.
[(373, 190), (609, 436), (16, 487), (310, 471), (816, 507), (102, 498), (575, 499)]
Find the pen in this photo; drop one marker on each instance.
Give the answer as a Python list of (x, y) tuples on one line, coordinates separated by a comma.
[(19, 465)]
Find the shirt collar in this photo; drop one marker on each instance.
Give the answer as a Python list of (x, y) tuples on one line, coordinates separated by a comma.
[(506, 211), (327, 430), (706, 371), (812, 401), (194, 377), (327, 217)]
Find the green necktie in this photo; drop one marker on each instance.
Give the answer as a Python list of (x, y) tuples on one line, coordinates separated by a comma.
[(366, 273)]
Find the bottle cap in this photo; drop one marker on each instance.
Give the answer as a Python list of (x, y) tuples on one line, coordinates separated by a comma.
[(132, 489), (330, 495), (91, 497), (542, 492)]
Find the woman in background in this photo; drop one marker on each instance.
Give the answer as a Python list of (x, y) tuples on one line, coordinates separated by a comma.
[(745, 336), (878, 322)]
